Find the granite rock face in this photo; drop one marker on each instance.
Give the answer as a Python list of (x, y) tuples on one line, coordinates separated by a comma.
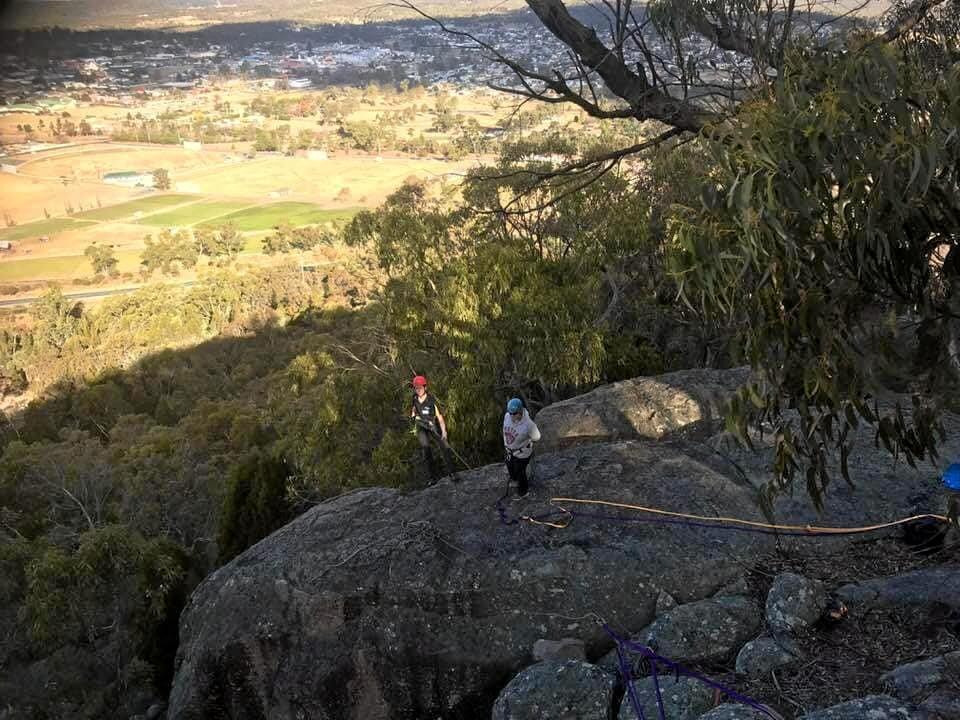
[(384, 604), (646, 407)]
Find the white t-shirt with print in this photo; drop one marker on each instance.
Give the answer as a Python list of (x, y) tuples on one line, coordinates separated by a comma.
[(519, 435)]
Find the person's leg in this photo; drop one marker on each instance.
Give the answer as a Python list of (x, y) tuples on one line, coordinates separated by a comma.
[(423, 437), (522, 487), (513, 468)]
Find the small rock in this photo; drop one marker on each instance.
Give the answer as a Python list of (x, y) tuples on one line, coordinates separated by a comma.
[(155, 711), (569, 690), (734, 711), (735, 587), (685, 699), (665, 602), (758, 657), (565, 649), (873, 707), (283, 590), (794, 602)]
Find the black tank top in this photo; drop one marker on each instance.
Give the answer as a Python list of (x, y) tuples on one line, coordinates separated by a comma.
[(427, 409)]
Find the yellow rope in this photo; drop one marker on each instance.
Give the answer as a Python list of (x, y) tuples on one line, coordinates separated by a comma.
[(736, 521)]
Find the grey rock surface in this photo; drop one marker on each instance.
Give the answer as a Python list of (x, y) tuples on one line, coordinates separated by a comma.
[(383, 604), (873, 707), (734, 711), (568, 690), (705, 631), (645, 407), (794, 603), (683, 699), (565, 649), (931, 684), (914, 589), (758, 657)]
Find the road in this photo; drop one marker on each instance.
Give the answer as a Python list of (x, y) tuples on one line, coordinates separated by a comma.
[(90, 295)]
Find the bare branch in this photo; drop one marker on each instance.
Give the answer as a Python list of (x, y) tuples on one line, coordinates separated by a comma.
[(909, 19)]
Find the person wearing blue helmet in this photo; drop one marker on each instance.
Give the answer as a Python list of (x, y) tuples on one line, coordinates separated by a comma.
[(519, 435)]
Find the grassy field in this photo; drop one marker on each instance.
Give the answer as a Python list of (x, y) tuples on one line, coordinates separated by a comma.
[(145, 205), (195, 213), (42, 227), (294, 213), (62, 267)]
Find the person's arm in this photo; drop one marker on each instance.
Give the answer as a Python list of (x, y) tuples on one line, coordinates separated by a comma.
[(413, 410), (441, 423), (534, 431)]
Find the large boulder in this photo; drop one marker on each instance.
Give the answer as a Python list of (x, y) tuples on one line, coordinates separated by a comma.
[(382, 604), (645, 407)]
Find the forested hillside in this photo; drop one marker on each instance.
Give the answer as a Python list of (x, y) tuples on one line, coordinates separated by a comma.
[(149, 459), (809, 229)]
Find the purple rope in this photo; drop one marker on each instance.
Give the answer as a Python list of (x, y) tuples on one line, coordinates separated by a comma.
[(627, 674), (679, 669), (656, 687)]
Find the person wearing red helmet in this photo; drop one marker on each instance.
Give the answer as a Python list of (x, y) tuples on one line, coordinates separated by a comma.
[(430, 427)]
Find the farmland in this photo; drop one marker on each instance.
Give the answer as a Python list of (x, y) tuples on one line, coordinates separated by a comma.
[(338, 151)]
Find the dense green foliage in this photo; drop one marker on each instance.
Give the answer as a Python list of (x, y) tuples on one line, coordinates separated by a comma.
[(255, 504), (151, 458), (827, 233)]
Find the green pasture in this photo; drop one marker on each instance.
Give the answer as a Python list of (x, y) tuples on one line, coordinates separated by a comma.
[(144, 205), (63, 267), (266, 217), (41, 228), (204, 212)]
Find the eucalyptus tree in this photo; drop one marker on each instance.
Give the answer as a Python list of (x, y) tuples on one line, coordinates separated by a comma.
[(828, 222)]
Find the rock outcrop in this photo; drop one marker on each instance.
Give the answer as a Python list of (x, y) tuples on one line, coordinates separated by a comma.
[(931, 684), (646, 407), (383, 604)]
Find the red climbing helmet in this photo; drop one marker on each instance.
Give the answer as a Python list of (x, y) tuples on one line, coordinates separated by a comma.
[(419, 381)]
